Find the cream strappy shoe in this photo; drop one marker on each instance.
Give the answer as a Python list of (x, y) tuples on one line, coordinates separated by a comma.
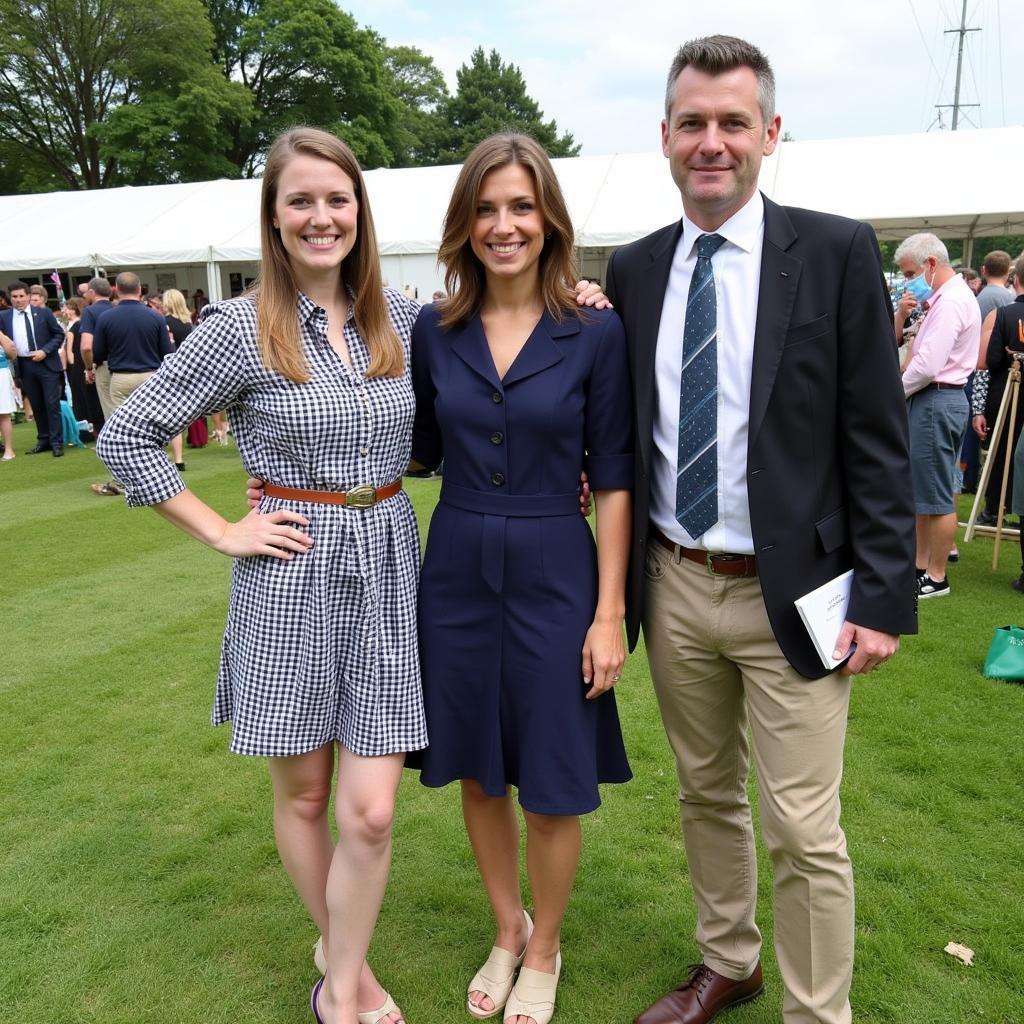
[(534, 994), (495, 978)]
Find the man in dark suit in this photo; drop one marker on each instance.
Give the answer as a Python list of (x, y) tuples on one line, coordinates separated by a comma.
[(38, 338), (771, 458)]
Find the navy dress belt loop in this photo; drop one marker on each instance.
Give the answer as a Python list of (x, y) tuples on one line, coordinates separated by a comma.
[(496, 509)]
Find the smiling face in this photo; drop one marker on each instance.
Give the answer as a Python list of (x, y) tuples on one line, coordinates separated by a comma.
[(715, 138), (315, 211), (507, 234)]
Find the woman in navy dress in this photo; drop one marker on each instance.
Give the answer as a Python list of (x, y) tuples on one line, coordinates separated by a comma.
[(520, 620)]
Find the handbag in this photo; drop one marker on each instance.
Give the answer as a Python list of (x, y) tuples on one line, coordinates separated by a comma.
[(1005, 658)]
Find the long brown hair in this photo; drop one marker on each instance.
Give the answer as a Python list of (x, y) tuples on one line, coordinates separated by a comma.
[(464, 276), (275, 289)]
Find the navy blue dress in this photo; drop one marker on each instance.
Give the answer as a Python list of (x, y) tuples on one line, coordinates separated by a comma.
[(509, 581)]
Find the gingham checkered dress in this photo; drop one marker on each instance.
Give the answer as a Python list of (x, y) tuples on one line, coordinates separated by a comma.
[(321, 647)]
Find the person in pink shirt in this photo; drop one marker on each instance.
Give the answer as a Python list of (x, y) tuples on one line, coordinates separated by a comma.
[(944, 354)]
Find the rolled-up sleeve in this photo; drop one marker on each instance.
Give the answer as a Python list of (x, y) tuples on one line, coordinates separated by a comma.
[(608, 419), (206, 374)]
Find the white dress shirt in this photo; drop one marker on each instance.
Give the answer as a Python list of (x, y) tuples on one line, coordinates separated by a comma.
[(737, 270), (20, 331)]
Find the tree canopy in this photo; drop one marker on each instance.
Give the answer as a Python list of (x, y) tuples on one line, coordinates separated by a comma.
[(97, 93), (491, 97), (92, 93)]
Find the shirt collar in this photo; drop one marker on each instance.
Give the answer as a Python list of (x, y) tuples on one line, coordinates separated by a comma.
[(742, 229), (950, 285), (309, 309)]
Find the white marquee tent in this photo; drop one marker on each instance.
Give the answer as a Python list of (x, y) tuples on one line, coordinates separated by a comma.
[(952, 183)]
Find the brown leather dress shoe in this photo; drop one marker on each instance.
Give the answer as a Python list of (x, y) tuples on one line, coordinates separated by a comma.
[(702, 997)]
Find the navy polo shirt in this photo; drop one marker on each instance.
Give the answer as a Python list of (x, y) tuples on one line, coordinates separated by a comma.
[(131, 338), (92, 315)]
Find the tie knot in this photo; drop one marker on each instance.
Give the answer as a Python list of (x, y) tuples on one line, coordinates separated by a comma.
[(708, 245)]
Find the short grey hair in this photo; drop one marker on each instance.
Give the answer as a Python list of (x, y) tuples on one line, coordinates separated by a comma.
[(101, 286), (922, 246), (714, 55)]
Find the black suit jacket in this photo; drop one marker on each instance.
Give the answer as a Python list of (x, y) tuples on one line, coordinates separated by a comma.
[(828, 470), (49, 334)]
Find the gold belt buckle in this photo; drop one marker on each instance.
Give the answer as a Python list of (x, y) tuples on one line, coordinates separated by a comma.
[(363, 496)]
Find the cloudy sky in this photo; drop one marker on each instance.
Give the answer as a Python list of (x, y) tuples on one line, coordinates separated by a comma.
[(859, 67)]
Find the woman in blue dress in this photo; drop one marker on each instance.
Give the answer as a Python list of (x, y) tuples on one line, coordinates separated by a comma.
[(520, 620)]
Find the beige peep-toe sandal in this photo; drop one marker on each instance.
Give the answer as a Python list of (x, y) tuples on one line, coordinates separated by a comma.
[(495, 978), (375, 1016), (534, 994)]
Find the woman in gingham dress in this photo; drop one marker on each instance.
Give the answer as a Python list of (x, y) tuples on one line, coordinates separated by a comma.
[(320, 645)]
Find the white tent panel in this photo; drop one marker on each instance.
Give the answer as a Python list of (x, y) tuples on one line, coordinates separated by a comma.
[(899, 184)]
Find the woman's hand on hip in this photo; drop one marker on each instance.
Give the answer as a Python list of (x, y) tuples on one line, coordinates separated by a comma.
[(604, 654), (271, 535)]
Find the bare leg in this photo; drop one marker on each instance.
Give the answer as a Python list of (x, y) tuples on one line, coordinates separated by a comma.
[(493, 830), (552, 855), (302, 791), (921, 523), (220, 427), (177, 449), (941, 538), (7, 433), (365, 808)]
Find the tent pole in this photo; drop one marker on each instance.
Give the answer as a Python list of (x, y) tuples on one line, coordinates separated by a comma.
[(213, 290)]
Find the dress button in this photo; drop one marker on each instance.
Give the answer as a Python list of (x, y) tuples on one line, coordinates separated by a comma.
[(497, 479), (364, 451), (497, 437), (496, 398)]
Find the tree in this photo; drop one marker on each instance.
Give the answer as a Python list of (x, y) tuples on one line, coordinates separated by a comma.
[(93, 93), (491, 97), (305, 62), (420, 88)]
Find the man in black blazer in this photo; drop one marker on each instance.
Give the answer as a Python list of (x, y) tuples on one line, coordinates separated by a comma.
[(772, 456), (38, 338)]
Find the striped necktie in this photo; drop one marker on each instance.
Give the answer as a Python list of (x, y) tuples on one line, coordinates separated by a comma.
[(697, 472)]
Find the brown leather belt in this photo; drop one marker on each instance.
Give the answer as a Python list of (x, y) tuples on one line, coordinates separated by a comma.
[(363, 496), (938, 385), (717, 563)]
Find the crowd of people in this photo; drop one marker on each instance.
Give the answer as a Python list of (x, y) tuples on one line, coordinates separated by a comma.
[(69, 388), (737, 418), (958, 333)]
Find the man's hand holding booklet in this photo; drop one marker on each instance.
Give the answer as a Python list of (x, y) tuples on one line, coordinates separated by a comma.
[(823, 612)]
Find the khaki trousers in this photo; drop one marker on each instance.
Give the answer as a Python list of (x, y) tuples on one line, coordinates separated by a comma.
[(103, 390), (123, 384), (715, 666)]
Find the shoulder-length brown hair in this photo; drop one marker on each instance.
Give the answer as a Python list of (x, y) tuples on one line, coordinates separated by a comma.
[(275, 289), (464, 276)]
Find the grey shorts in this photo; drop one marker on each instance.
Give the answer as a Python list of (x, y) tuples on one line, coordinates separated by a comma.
[(938, 422)]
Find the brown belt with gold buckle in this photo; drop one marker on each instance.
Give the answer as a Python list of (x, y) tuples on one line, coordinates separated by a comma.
[(363, 496), (717, 563)]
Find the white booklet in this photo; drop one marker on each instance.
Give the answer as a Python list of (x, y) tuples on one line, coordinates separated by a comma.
[(823, 612)]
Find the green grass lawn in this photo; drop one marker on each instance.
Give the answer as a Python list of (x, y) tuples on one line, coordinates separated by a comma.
[(139, 879)]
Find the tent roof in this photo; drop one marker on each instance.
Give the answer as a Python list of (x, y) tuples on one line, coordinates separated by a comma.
[(612, 199)]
